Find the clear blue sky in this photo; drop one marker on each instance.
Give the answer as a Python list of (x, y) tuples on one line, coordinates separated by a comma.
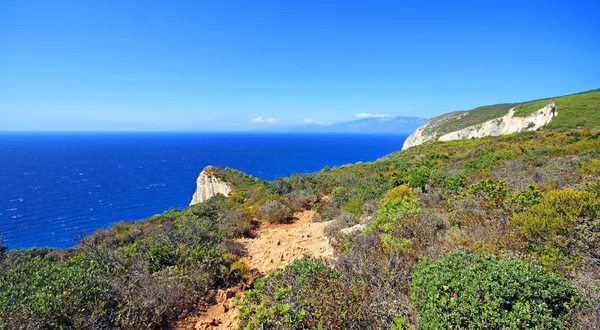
[(216, 65)]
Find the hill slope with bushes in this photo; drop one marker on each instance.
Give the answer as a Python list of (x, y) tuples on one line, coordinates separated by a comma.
[(516, 216)]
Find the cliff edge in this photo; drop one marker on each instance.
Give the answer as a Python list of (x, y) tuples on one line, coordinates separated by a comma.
[(434, 129), (506, 124), (208, 185)]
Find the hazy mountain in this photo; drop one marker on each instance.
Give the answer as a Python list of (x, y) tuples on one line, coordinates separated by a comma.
[(392, 125)]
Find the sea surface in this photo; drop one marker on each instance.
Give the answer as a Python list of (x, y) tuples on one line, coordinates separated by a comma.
[(55, 187)]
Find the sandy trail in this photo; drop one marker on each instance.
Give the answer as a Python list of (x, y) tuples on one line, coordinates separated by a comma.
[(275, 246)]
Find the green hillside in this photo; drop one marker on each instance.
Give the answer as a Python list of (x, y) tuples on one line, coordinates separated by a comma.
[(580, 110), (498, 232), (491, 233)]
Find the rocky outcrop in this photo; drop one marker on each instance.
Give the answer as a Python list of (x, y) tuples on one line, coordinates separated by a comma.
[(506, 124), (208, 185)]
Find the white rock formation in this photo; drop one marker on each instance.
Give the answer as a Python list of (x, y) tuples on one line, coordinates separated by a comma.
[(207, 186), (507, 124), (416, 138), (428, 131)]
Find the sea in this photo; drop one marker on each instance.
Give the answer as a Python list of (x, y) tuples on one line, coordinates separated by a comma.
[(55, 187)]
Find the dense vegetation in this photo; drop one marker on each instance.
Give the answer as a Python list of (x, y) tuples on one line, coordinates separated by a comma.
[(134, 275), (485, 233), (498, 232)]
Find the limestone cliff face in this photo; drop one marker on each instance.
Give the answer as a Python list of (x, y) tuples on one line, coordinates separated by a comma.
[(506, 124), (208, 185), (429, 130)]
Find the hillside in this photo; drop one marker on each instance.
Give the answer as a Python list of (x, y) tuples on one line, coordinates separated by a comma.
[(410, 232), (580, 110), (495, 232)]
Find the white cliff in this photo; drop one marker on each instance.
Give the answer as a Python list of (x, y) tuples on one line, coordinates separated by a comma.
[(507, 124), (428, 131), (208, 185), (417, 137)]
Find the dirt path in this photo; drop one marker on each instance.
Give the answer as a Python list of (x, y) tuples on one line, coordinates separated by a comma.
[(275, 246)]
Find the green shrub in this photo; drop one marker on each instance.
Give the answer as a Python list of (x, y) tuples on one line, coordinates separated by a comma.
[(280, 186), (562, 228), (398, 192), (456, 182), (593, 188), (136, 274), (590, 167), (529, 197), (492, 192), (418, 177), (393, 210), (161, 256), (340, 195), (47, 294), (354, 206), (306, 294), (482, 162), (468, 290), (235, 222), (302, 199), (275, 211), (589, 153)]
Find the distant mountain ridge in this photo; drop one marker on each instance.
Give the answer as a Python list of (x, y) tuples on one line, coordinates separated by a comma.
[(373, 125), (398, 124)]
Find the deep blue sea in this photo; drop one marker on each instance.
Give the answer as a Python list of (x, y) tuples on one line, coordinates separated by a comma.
[(56, 186)]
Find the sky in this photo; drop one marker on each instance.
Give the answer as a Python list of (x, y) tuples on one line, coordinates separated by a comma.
[(237, 65)]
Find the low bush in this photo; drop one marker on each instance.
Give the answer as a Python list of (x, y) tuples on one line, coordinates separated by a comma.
[(485, 161), (275, 211), (466, 290), (45, 294), (301, 199), (418, 177), (354, 206), (456, 182), (306, 294), (235, 222), (590, 167), (529, 197), (399, 192), (393, 210), (563, 228), (338, 240)]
